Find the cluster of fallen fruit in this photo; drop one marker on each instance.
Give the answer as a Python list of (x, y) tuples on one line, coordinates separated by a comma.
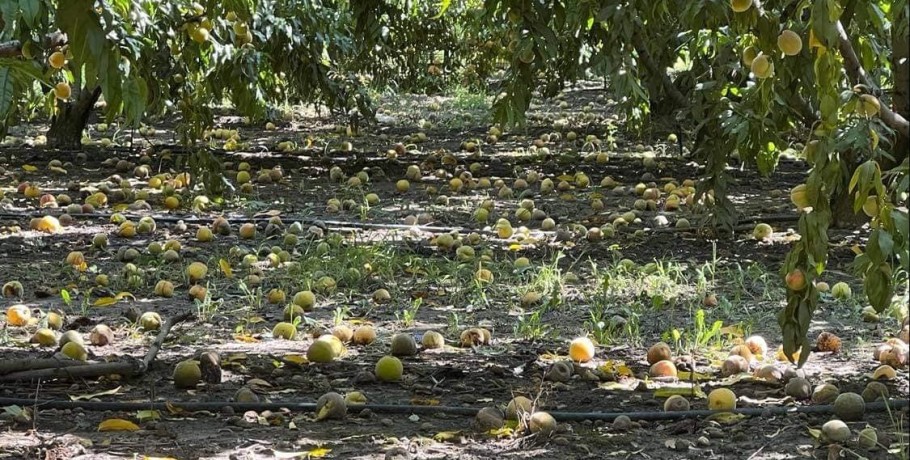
[(520, 411)]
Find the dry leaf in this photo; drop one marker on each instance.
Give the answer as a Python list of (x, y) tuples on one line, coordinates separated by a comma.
[(94, 395)]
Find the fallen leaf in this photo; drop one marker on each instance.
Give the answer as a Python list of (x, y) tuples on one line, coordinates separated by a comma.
[(447, 436), (104, 302), (226, 268), (117, 424), (726, 418), (94, 395), (148, 415), (30, 168)]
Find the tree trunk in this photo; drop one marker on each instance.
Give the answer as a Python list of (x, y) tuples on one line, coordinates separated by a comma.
[(900, 63), (68, 124)]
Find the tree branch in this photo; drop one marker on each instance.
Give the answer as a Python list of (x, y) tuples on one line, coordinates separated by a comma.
[(858, 75), (665, 81)]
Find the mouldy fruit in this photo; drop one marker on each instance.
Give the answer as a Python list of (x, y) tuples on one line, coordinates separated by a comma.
[(44, 337), (196, 271), (722, 399), (798, 388), (825, 393), (247, 231), (560, 371), (285, 331), (74, 350), (733, 365), (305, 300), (676, 403), (489, 418), (276, 296), (769, 373), (471, 337), (875, 391), (433, 340), (403, 345), (740, 6), (581, 350), (320, 351), (364, 335), (827, 341), (868, 438), (664, 368), (355, 398), (187, 374), (762, 231), (822, 286), (150, 321), (789, 42), (660, 351), (542, 422), (343, 333), (331, 406), (245, 395), (518, 406), (12, 289), (18, 315), (101, 335), (849, 407), (836, 431), (389, 369), (381, 295), (841, 291), (164, 288), (197, 292)]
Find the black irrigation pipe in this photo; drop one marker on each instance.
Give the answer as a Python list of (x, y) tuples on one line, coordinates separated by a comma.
[(214, 406)]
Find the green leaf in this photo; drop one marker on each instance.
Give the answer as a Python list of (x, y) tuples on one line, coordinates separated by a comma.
[(30, 10)]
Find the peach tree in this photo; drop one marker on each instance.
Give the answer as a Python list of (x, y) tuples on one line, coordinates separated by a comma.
[(756, 78)]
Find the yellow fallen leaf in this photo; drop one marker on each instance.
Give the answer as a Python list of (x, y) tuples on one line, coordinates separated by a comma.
[(726, 418), (104, 302), (120, 207), (447, 436), (117, 424), (30, 168), (567, 177), (226, 268), (246, 338), (124, 295), (295, 359), (503, 432)]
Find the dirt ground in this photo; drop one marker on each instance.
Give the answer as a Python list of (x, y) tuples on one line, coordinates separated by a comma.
[(583, 286)]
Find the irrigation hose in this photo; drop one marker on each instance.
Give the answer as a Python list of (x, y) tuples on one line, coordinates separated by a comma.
[(214, 406)]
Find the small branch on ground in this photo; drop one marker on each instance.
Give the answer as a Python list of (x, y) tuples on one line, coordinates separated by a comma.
[(59, 369)]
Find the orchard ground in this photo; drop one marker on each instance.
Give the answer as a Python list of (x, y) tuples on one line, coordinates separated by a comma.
[(652, 280)]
